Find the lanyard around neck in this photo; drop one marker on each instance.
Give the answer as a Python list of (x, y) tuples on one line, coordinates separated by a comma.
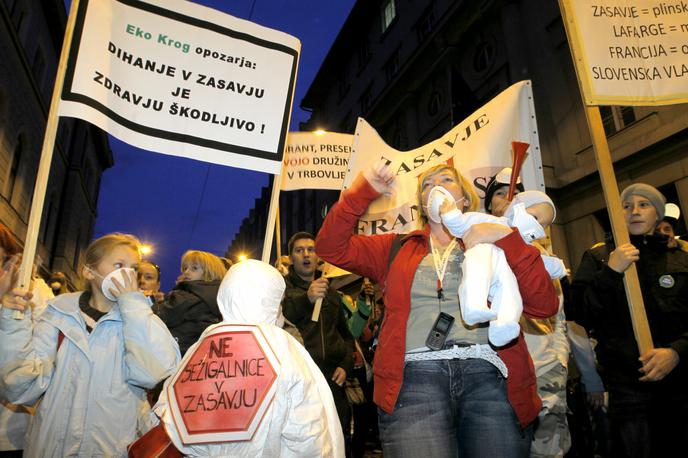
[(441, 263)]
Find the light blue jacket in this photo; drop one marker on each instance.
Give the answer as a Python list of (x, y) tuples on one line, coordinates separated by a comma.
[(94, 400)]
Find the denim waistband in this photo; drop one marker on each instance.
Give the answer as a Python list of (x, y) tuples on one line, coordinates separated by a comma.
[(457, 351)]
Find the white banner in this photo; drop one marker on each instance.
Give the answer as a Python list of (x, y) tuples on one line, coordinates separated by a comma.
[(316, 160), (629, 53), (178, 78), (479, 147)]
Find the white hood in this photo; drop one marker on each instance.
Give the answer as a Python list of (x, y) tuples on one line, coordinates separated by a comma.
[(251, 293)]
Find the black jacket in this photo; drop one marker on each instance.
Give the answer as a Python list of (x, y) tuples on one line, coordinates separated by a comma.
[(190, 308), (599, 303), (328, 340)]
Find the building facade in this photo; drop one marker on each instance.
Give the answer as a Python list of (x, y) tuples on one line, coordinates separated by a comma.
[(31, 33), (414, 70)]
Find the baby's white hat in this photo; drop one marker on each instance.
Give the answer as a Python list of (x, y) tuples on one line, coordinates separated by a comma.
[(529, 198)]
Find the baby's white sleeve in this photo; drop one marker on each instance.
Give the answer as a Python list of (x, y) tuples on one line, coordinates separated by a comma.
[(458, 223), (554, 266)]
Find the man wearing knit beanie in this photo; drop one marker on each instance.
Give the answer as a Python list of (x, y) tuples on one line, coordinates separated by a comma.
[(650, 193), (646, 391), (643, 208)]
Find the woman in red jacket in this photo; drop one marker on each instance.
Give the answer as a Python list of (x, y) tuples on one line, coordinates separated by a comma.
[(464, 397)]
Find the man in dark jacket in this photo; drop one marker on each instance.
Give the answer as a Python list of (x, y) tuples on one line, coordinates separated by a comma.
[(648, 400), (325, 336)]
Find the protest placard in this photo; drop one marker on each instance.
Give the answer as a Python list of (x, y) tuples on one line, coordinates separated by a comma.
[(316, 160), (182, 79), (224, 386), (629, 53)]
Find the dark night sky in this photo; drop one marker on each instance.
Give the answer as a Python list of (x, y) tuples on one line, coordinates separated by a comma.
[(177, 204)]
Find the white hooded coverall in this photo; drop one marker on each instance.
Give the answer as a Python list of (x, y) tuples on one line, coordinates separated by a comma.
[(302, 419)]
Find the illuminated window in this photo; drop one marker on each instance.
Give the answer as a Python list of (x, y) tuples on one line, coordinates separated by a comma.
[(389, 13)]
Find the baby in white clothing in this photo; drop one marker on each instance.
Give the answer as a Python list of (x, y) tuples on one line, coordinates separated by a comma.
[(486, 274)]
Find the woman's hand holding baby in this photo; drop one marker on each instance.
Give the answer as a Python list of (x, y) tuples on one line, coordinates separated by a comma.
[(484, 233)]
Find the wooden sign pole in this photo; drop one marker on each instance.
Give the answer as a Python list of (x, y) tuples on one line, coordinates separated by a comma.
[(636, 307), (641, 328), (272, 213), (278, 234), (31, 240)]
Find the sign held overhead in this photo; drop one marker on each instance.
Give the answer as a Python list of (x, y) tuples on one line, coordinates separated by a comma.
[(629, 53), (182, 79)]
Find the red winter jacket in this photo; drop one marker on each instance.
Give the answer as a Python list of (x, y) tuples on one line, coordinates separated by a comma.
[(369, 255)]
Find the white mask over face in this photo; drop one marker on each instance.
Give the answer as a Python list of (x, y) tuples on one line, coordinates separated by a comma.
[(107, 284), (436, 198), (526, 223)]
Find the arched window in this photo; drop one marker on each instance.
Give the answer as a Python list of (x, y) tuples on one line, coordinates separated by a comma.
[(484, 55)]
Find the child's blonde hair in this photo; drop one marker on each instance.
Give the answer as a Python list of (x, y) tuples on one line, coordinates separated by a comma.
[(100, 247), (213, 267)]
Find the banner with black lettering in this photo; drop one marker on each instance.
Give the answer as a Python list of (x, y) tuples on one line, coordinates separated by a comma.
[(629, 53), (178, 78), (316, 160), (478, 147)]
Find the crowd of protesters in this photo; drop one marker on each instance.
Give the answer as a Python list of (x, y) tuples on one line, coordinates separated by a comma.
[(385, 359)]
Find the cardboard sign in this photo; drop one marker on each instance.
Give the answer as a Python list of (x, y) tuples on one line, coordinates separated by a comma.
[(316, 160), (629, 53), (178, 78), (224, 387)]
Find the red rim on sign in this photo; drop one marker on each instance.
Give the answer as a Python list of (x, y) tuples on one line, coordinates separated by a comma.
[(224, 387)]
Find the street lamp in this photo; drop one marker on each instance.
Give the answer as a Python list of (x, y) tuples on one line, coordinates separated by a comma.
[(146, 249)]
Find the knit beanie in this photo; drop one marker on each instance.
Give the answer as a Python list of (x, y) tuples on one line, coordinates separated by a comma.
[(530, 198), (648, 192), (500, 180)]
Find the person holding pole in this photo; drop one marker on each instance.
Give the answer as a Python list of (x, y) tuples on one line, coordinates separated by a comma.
[(441, 389), (317, 311), (648, 399), (89, 358)]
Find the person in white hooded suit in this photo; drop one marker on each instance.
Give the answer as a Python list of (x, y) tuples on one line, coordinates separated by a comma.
[(301, 420)]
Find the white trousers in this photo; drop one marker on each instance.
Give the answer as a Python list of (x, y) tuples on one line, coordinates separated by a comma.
[(487, 276)]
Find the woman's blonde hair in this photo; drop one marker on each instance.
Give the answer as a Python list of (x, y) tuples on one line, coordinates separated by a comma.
[(213, 267), (472, 200), (100, 247)]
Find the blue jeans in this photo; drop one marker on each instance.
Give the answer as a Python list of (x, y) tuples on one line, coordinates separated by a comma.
[(451, 408), (648, 420)]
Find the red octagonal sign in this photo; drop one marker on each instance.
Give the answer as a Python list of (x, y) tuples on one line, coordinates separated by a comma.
[(225, 385)]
